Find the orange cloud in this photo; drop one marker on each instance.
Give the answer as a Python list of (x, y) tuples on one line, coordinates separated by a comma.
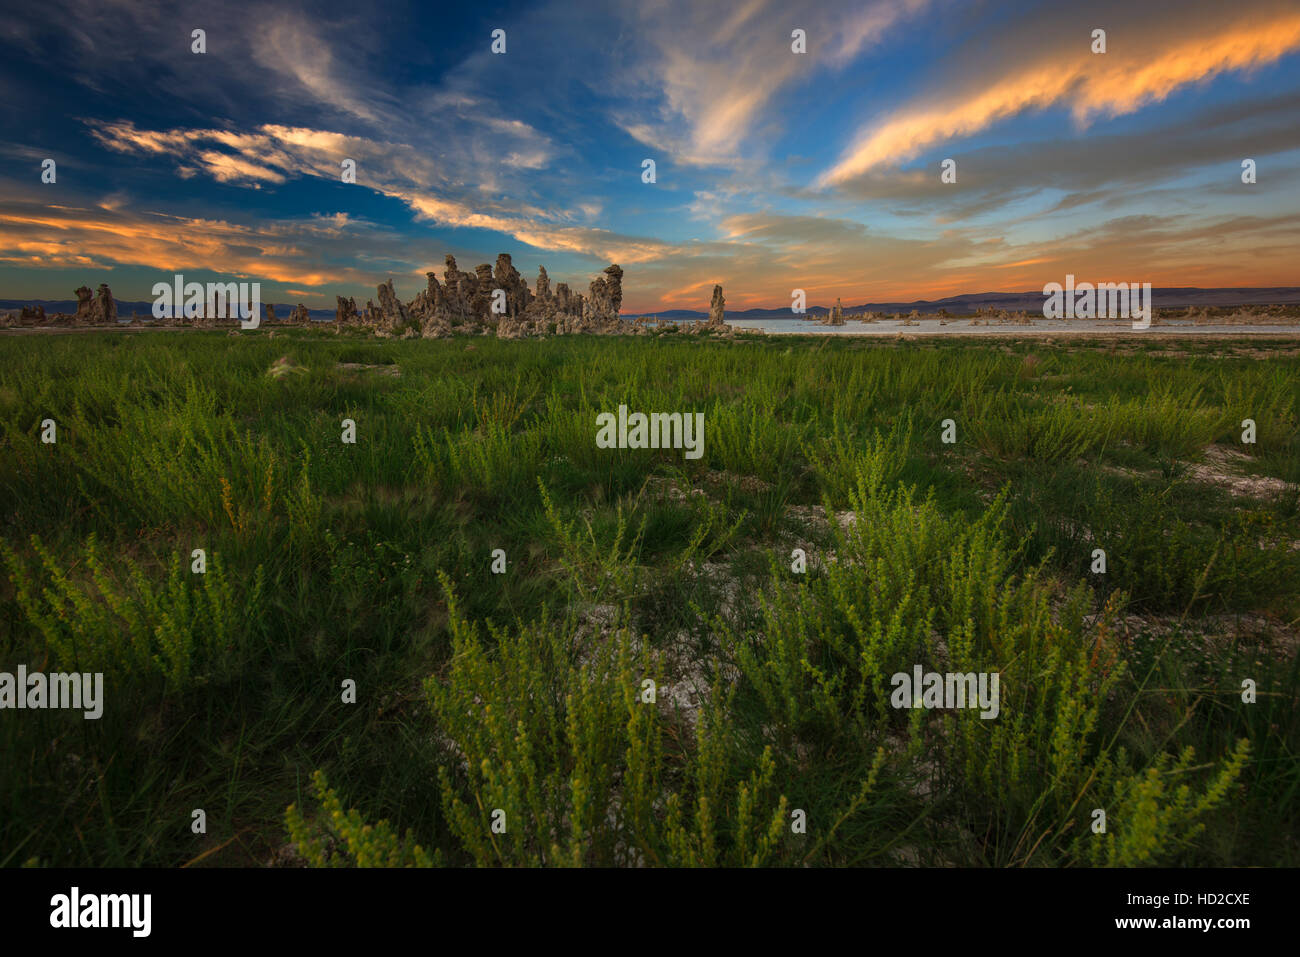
[(1120, 81), (64, 236), (1240, 251), (274, 153)]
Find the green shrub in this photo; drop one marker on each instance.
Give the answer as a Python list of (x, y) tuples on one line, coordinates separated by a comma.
[(116, 616), (339, 838)]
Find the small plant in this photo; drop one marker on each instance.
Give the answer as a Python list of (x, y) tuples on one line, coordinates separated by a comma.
[(1153, 820), (594, 572), (338, 838), (115, 615)]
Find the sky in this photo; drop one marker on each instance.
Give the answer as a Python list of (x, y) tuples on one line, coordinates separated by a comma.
[(775, 170)]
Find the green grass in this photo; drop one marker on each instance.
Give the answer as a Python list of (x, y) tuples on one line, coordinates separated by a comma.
[(524, 691)]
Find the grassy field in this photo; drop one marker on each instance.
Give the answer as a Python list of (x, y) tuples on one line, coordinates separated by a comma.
[(522, 691)]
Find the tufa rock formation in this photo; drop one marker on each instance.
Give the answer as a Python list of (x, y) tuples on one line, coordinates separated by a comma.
[(462, 303), (715, 325), (392, 317), (717, 308), (470, 303), (507, 278), (345, 313), (425, 303), (480, 302), (460, 289), (606, 296), (106, 308), (94, 308), (85, 303)]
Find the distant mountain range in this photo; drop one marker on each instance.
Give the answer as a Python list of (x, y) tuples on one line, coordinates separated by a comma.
[(1169, 298), (1166, 298)]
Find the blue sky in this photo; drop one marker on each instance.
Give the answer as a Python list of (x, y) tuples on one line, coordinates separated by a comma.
[(775, 170)]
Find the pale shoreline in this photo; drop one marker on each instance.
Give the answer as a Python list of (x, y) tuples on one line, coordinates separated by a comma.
[(884, 329), (975, 326), (1157, 332)]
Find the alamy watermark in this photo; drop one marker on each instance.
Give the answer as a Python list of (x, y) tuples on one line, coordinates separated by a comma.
[(55, 690), (75, 909), (1105, 300), (658, 430), (931, 689), (219, 300)]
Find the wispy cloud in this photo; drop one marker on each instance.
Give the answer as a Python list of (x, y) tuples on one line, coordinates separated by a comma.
[(291, 45), (716, 77), (275, 153), (1128, 77), (100, 237)]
